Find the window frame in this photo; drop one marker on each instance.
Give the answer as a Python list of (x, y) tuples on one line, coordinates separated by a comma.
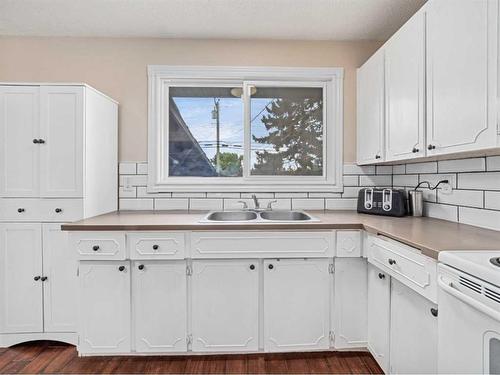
[(161, 77)]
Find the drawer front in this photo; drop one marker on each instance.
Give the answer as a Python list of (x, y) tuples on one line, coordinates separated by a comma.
[(98, 245), (411, 268), (61, 210), (23, 209), (164, 245), (262, 244), (348, 243)]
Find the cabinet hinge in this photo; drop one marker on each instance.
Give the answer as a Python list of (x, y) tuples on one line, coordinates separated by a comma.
[(331, 336), (331, 268), (189, 339), (77, 271), (189, 270)]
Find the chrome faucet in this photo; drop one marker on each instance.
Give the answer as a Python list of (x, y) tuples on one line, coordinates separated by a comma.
[(256, 202)]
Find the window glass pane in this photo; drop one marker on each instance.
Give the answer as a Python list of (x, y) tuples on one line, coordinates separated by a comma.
[(205, 131), (287, 131)]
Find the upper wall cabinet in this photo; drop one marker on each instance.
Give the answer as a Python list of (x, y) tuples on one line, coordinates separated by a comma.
[(461, 75), (370, 110), (404, 91)]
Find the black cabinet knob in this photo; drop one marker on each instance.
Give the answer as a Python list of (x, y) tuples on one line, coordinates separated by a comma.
[(141, 266), (44, 278), (41, 141), (156, 247), (121, 268), (381, 275), (36, 141), (392, 262), (434, 311), (415, 150), (431, 147), (36, 278), (270, 266), (95, 247), (20, 210), (58, 210), (377, 156), (252, 267)]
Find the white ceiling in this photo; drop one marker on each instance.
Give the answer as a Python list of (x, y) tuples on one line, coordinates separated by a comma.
[(235, 19)]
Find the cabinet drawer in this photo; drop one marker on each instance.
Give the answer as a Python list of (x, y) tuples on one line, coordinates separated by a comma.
[(98, 245), (164, 245), (48, 210), (405, 264), (23, 209), (262, 244)]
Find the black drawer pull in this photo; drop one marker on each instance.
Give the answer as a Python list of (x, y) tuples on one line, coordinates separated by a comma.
[(156, 247), (36, 278), (141, 266), (434, 311), (392, 262), (58, 210), (121, 268), (44, 278), (381, 275), (252, 267)]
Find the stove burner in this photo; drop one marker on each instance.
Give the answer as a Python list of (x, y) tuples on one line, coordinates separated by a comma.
[(495, 261)]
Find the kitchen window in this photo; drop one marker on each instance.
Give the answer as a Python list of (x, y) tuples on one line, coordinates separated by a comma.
[(244, 129)]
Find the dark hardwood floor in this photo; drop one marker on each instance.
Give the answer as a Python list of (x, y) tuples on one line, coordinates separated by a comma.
[(51, 357)]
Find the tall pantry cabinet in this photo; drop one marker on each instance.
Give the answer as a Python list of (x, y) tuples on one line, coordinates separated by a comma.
[(58, 163)]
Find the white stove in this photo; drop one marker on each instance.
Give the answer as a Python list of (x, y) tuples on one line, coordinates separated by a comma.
[(469, 312)]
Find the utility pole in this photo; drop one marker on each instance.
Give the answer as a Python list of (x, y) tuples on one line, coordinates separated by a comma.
[(216, 117)]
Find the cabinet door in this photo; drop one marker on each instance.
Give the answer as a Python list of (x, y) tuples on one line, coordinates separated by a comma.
[(461, 75), (296, 304), (379, 312), (225, 305), (370, 110), (61, 127), (104, 321), (413, 338), (350, 315), (404, 89), (159, 306), (61, 286), (20, 278), (19, 126)]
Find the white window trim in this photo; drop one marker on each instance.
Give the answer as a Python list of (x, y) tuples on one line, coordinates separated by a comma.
[(159, 76)]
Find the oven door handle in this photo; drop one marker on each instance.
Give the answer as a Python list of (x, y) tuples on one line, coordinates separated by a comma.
[(448, 287)]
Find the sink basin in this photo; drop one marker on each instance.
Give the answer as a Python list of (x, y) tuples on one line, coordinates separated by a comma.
[(285, 215), (232, 216)]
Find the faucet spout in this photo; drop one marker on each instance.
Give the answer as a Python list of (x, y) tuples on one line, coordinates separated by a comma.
[(255, 202)]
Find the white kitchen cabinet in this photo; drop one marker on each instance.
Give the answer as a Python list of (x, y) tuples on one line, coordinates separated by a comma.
[(19, 126), (104, 307), (413, 340), (350, 309), (462, 37), (404, 91), (20, 278), (379, 311), (61, 282), (370, 110), (159, 306), (348, 243), (61, 129), (225, 305), (296, 304)]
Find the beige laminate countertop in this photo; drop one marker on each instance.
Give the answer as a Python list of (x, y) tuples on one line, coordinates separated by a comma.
[(427, 234)]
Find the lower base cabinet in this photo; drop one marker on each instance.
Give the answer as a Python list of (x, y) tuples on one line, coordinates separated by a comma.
[(296, 304), (225, 305), (159, 307), (414, 330), (104, 307), (350, 308)]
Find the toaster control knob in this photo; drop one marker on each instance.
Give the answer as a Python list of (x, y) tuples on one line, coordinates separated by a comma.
[(368, 205), (387, 207)]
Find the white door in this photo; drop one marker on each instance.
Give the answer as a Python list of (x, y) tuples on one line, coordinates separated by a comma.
[(61, 130), (414, 329), (20, 278), (296, 304), (351, 290), (404, 91), (379, 312), (461, 75), (61, 284), (225, 305), (104, 307), (370, 110), (19, 128), (159, 306)]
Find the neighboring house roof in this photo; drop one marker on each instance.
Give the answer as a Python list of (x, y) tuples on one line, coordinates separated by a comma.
[(186, 157)]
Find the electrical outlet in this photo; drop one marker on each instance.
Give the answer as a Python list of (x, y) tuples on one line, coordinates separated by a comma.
[(446, 188)]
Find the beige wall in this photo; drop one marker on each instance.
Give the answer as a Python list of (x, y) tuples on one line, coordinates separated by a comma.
[(118, 68)]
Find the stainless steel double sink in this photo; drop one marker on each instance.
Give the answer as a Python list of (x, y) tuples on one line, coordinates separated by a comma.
[(257, 216)]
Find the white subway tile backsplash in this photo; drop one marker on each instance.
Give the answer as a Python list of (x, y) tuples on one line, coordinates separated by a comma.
[(472, 198), (223, 195), (189, 195), (136, 204), (351, 192), (133, 180), (375, 180), (341, 204), (430, 167), (171, 204), (127, 168), (351, 180), (356, 169), (142, 192), (128, 193), (290, 195), (308, 204), (384, 169), (325, 195), (462, 165), (258, 195), (410, 180), (433, 179), (399, 169), (479, 181), (481, 218), (492, 200), (207, 204), (441, 211), (493, 163), (142, 168)]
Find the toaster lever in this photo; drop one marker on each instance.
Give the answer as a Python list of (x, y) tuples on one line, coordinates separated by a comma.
[(369, 199), (387, 199)]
